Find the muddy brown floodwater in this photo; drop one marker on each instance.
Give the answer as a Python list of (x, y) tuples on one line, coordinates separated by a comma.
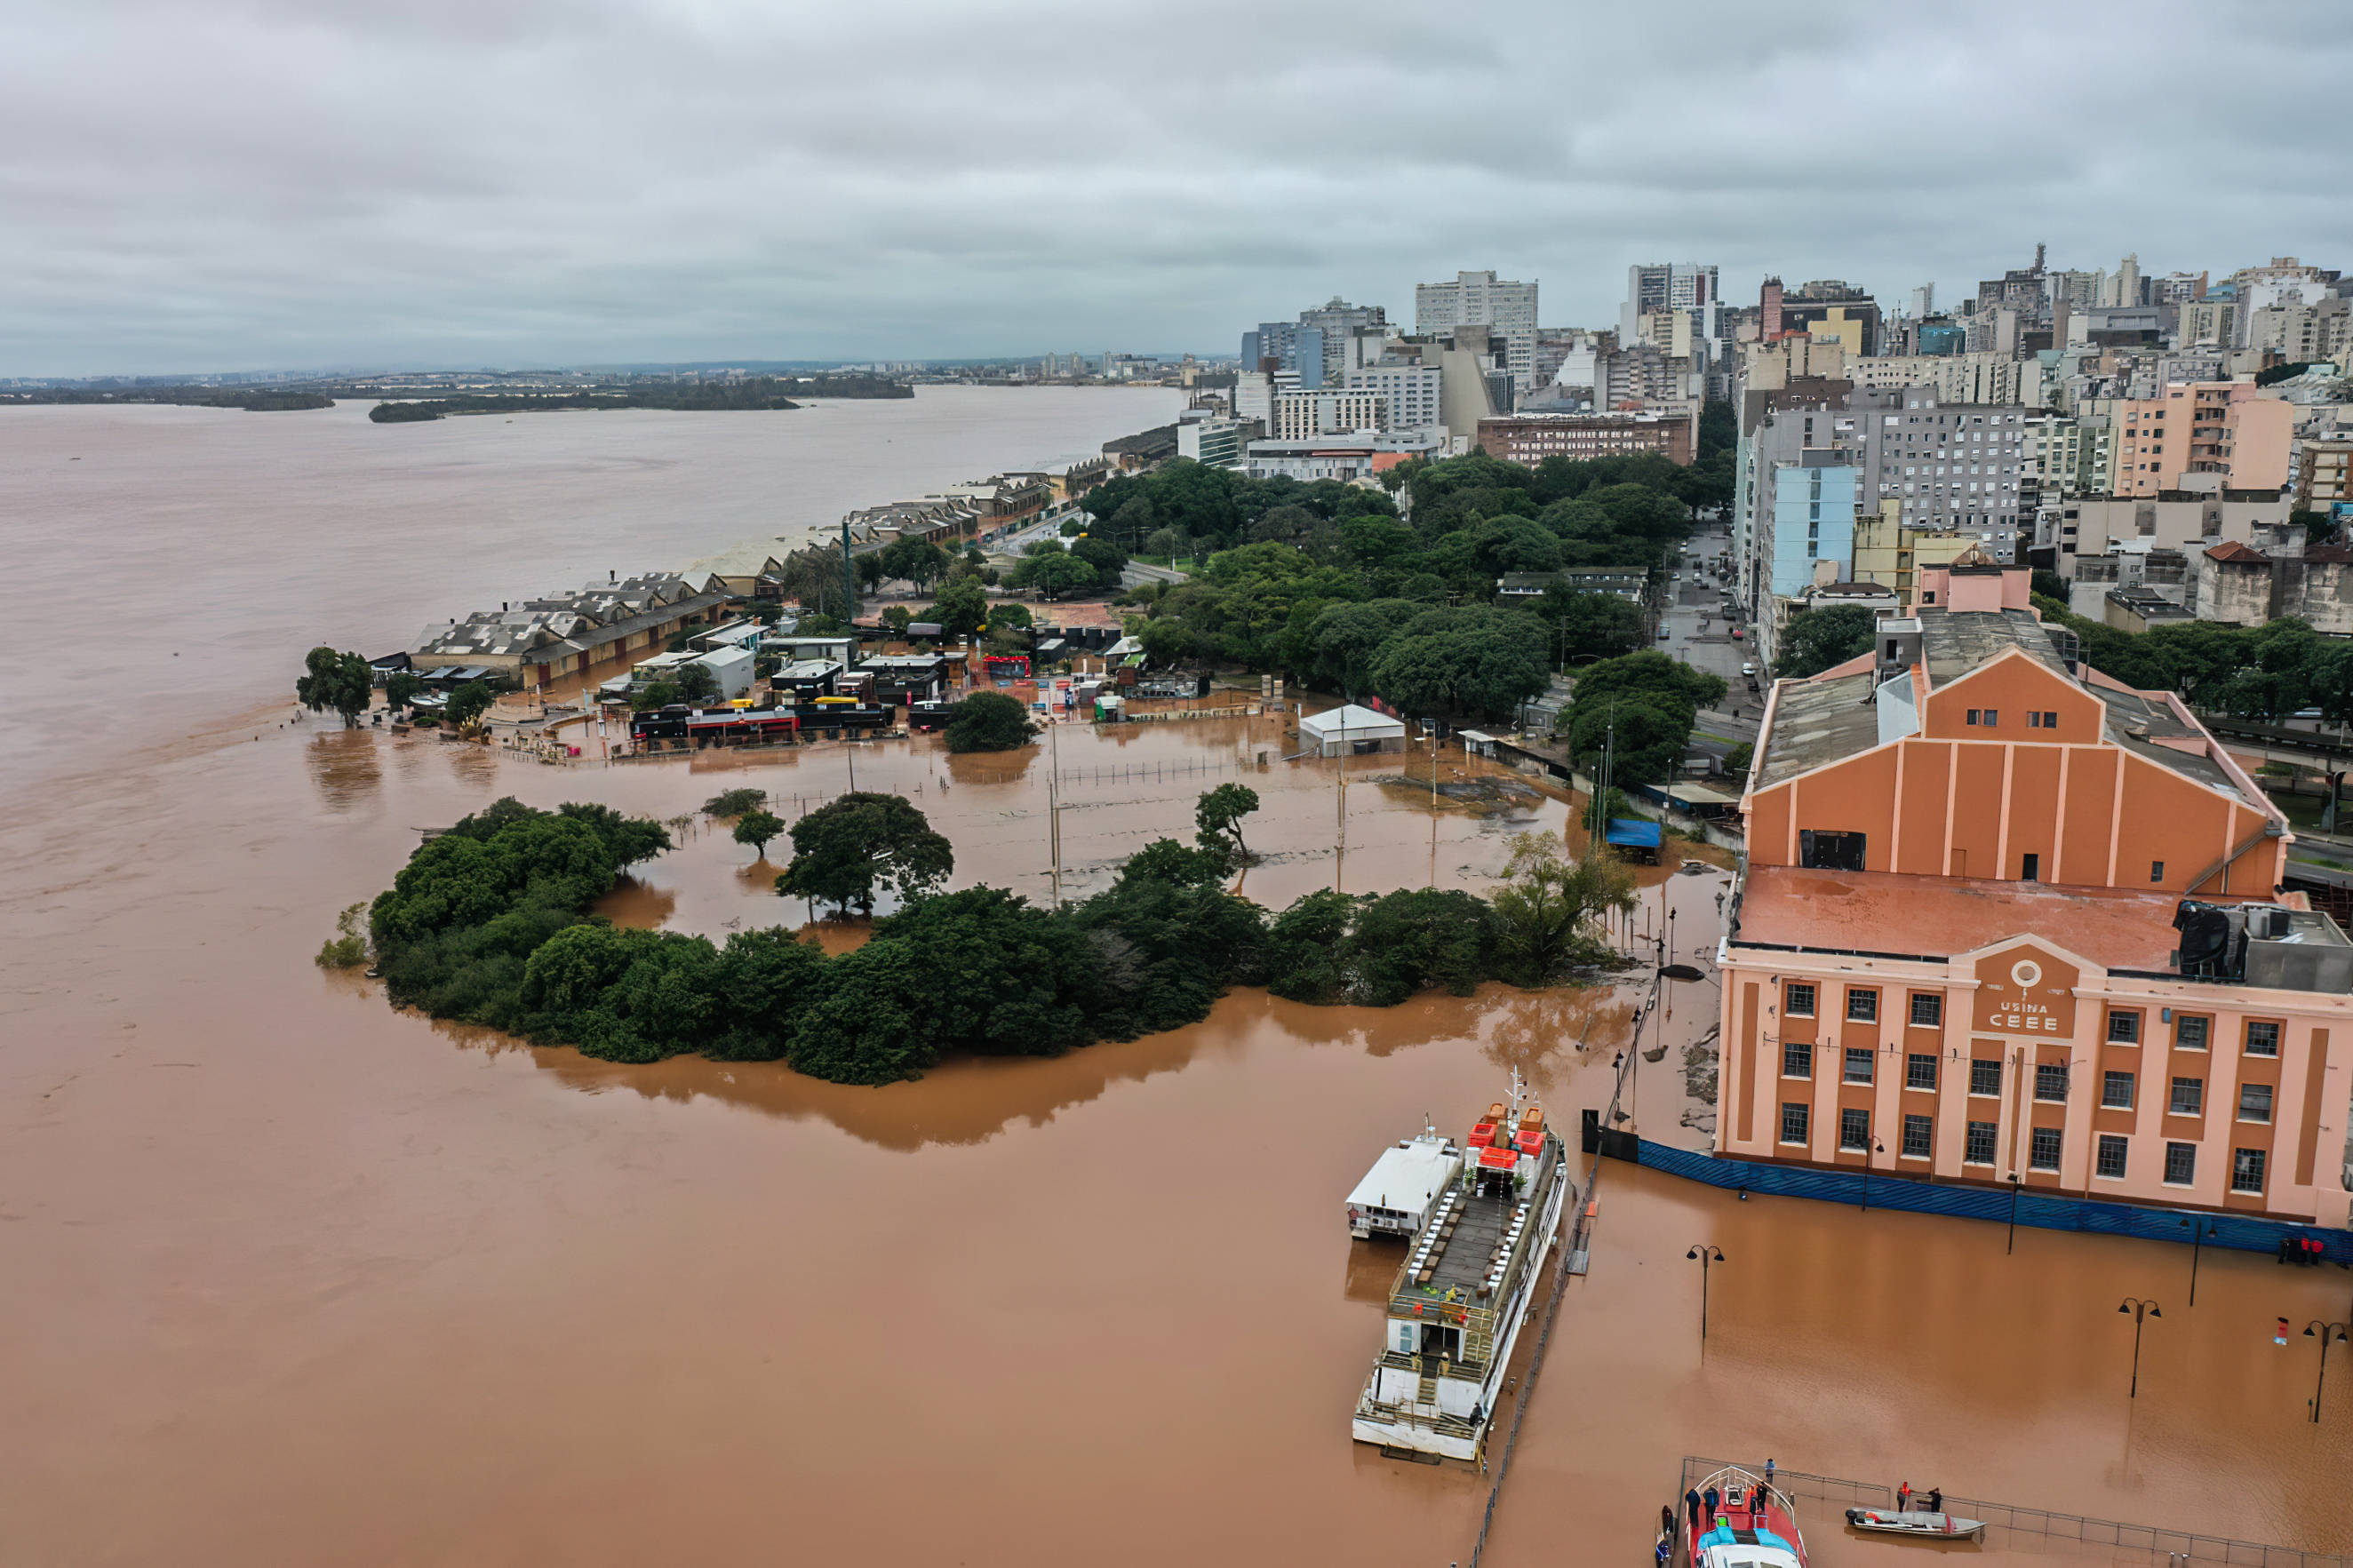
[(294, 1277), (290, 1278)]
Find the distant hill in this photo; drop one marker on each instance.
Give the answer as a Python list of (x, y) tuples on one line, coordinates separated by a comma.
[(756, 392)]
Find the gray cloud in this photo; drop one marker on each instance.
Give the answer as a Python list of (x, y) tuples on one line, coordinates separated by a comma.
[(261, 183)]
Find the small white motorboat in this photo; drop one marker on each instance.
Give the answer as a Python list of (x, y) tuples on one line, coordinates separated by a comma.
[(1916, 1521)]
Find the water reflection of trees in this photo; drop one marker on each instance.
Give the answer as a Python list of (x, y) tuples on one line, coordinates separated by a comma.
[(343, 766)]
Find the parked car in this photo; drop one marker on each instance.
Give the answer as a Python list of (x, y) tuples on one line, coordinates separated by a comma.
[(1748, 669)]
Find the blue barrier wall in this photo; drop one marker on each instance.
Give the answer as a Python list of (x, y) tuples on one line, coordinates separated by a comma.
[(2044, 1211)]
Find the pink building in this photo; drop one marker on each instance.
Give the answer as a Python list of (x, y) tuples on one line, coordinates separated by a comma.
[(2227, 428)]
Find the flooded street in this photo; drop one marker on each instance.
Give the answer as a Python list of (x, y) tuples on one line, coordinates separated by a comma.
[(294, 1279)]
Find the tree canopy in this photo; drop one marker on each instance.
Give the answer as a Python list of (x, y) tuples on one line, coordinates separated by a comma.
[(1823, 640), (860, 844), (1475, 662), (469, 702), (989, 721), (342, 681)]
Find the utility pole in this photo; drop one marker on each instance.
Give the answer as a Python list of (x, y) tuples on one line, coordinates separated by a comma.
[(849, 587), (1053, 804)]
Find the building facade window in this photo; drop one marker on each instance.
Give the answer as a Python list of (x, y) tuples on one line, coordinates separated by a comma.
[(1794, 1117), (1798, 999), (2117, 1090), (1854, 1129), (2042, 1149), (1927, 1010), (2123, 1029), (2181, 1164), (1862, 1006), (1859, 1060), (2111, 1156), (1797, 1058), (1920, 1070), (2262, 1038), (2051, 1081), (2255, 1102), (1920, 1137), (2189, 1097), (1985, 1075), (2190, 1033), (2247, 1170), (1977, 1148)]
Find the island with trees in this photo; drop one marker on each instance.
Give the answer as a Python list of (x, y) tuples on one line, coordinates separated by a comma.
[(490, 924), (251, 399)]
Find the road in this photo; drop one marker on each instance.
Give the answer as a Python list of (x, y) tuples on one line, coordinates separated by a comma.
[(1698, 634)]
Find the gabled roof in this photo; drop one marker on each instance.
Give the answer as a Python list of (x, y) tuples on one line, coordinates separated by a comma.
[(2232, 550)]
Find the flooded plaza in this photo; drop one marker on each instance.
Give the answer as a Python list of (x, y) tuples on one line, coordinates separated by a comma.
[(297, 1278)]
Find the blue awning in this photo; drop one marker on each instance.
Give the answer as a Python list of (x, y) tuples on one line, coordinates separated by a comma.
[(1633, 834)]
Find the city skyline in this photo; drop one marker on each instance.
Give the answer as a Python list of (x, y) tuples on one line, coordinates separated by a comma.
[(265, 187)]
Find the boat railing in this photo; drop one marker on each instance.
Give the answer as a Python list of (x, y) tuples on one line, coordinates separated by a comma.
[(2175, 1545)]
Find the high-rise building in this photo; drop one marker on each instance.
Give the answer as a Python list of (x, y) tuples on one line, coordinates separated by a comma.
[(1686, 290), (1413, 392), (1479, 298), (1339, 323)]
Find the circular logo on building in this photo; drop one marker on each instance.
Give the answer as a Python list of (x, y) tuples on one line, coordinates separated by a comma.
[(2026, 972)]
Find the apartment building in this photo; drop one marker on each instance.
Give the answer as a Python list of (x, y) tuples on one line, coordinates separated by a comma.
[(1531, 437), (1304, 415), (1480, 300), (1414, 393), (1979, 378), (2224, 428), (2004, 919), (2324, 477)]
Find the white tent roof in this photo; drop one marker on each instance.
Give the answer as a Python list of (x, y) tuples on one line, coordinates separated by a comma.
[(1359, 722), (1408, 1176)]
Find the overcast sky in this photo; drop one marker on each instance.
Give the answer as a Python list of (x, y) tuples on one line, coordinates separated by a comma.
[(204, 184)]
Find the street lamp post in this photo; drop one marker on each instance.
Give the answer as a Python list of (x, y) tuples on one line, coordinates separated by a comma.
[(1876, 1147), (1704, 1254), (2140, 1310), (2199, 1232), (2313, 1330), (2016, 1180)]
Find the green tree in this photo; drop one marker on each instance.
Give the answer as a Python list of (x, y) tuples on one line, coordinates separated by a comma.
[(961, 609), (347, 949), (1217, 820), (1055, 575), (916, 561), (696, 683), (1543, 908), (469, 702), (1348, 637), (1824, 639), (1652, 731), (400, 689), (861, 843), (989, 721), (1599, 626), (654, 695), (766, 978), (756, 827), (1105, 556), (734, 802), (342, 681), (1471, 660), (1167, 860)]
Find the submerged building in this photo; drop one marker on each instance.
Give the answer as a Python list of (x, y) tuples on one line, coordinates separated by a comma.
[(2004, 918)]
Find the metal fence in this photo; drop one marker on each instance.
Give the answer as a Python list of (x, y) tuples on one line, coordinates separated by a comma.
[(2034, 1523), (2040, 1210)]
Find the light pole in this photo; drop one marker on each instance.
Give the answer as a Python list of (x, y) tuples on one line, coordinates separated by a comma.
[(2142, 1311), (1876, 1147), (2320, 1330), (2199, 1232), (2016, 1180), (1704, 1254)]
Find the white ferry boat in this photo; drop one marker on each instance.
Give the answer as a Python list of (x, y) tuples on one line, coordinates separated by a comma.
[(1397, 1194), (1457, 1305)]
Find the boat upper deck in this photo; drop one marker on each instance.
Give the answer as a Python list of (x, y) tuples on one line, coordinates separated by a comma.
[(1464, 1257)]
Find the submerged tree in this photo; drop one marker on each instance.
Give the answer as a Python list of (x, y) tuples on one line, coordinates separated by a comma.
[(1218, 821), (989, 721), (846, 850), (757, 827), (342, 681), (1542, 911)]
